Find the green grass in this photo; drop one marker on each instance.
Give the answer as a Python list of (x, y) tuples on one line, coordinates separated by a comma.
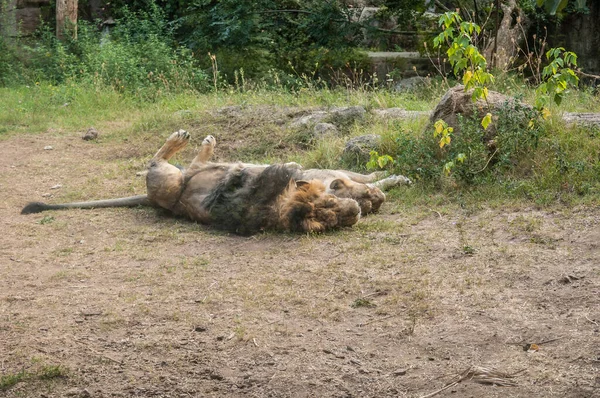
[(41, 372), (9, 380)]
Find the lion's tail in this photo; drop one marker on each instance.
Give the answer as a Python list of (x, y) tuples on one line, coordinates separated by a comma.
[(139, 200)]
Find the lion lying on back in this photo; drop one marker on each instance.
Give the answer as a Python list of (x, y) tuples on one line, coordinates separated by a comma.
[(240, 198), (366, 189)]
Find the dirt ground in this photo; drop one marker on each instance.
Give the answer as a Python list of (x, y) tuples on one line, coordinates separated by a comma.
[(134, 303)]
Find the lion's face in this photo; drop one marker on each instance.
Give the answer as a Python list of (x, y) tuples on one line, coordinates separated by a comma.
[(311, 209), (369, 199)]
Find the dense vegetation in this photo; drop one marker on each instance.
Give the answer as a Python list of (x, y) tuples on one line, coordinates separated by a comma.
[(163, 58)]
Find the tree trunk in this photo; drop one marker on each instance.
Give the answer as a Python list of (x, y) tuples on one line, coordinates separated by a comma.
[(502, 51), (66, 18)]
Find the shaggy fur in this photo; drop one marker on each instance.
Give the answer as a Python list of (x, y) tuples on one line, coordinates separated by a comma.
[(245, 203), (366, 189)]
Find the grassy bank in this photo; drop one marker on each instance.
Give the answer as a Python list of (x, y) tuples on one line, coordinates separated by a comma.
[(562, 167)]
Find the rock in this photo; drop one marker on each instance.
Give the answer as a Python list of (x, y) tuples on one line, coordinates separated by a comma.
[(347, 114), (306, 120), (57, 186), (233, 111), (337, 116), (78, 392), (584, 119), (91, 134), (458, 101), (28, 19), (48, 148), (399, 113), (359, 148), (323, 129)]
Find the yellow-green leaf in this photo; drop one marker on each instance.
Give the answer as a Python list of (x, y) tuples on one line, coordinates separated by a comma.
[(467, 77), (439, 127), (546, 113), (486, 121), (445, 141)]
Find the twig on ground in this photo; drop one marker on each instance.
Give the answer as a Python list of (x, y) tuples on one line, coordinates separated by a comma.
[(436, 212), (481, 375), (488, 162), (550, 340)]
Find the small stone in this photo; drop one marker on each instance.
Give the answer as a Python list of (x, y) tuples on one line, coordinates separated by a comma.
[(57, 186), (399, 372), (48, 148), (359, 148), (77, 392), (324, 129), (91, 134), (46, 195), (307, 120), (347, 115)]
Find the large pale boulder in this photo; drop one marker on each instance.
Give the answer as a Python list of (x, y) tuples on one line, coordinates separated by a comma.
[(457, 101)]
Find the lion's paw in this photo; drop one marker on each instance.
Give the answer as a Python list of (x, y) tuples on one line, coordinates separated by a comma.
[(179, 137), (209, 140), (400, 179), (391, 181)]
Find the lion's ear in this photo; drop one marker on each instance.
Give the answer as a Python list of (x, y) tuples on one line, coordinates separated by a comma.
[(301, 183), (338, 183)]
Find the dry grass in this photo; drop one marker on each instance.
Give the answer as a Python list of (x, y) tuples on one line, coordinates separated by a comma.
[(135, 303)]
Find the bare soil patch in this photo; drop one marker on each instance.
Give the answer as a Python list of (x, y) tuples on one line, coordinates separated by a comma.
[(134, 303)]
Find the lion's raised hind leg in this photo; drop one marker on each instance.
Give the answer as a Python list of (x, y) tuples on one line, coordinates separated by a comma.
[(164, 182), (175, 143), (206, 152)]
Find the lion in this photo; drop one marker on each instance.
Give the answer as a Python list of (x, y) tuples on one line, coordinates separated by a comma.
[(366, 189), (231, 196)]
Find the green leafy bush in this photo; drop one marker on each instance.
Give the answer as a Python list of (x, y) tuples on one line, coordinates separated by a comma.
[(136, 57), (10, 67)]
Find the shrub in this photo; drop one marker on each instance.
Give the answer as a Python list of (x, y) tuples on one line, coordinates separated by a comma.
[(10, 68), (135, 57)]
